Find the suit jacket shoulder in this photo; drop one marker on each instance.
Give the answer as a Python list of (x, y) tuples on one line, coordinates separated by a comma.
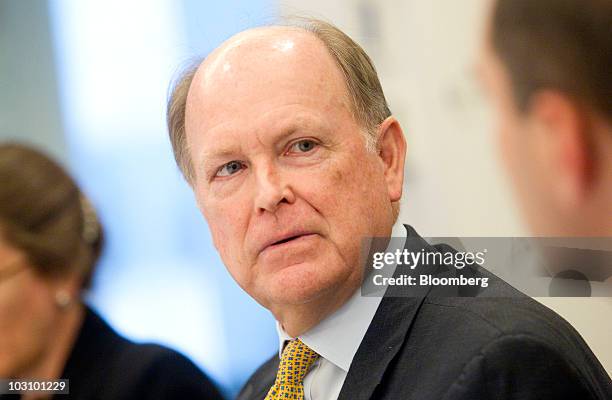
[(504, 345), (503, 348), (104, 365)]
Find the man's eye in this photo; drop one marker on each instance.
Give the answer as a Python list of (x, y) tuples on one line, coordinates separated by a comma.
[(229, 169), (304, 146)]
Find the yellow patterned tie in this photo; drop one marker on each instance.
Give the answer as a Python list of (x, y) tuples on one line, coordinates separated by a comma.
[(295, 362)]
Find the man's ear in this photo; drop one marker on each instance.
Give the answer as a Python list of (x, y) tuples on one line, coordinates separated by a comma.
[(565, 144), (391, 147)]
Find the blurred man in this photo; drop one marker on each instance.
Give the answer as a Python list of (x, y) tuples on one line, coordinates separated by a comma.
[(286, 138), (547, 65)]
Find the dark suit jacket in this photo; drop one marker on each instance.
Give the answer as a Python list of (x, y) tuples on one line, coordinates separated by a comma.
[(504, 346), (103, 365)]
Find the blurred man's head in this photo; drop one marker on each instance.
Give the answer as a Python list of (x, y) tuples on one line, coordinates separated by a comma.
[(286, 138), (546, 64)]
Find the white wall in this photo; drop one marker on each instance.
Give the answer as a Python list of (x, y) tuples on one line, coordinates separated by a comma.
[(29, 110)]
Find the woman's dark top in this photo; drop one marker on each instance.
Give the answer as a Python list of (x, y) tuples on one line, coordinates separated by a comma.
[(104, 365)]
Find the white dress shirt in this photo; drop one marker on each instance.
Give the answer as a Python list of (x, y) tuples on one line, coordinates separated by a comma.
[(337, 338)]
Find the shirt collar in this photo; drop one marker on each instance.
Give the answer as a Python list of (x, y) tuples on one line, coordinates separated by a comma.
[(339, 335)]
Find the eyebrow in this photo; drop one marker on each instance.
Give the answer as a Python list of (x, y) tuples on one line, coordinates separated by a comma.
[(210, 157)]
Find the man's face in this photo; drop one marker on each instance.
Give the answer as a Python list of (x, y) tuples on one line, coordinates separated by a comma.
[(522, 147), (283, 176)]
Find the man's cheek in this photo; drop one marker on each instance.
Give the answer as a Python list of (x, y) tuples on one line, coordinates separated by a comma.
[(346, 186), (220, 225), (332, 188)]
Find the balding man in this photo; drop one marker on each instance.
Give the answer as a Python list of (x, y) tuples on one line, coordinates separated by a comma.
[(285, 136)]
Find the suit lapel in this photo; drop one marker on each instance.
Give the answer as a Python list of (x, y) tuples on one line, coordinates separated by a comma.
[(384, 337), (379, 347)]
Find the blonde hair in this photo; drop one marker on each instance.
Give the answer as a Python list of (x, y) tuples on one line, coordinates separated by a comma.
[(367, 100)]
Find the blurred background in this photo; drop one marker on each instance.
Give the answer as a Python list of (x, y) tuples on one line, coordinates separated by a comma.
[(87, 82)]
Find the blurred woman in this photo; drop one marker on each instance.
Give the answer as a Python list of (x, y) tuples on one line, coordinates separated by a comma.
[(50, 241)]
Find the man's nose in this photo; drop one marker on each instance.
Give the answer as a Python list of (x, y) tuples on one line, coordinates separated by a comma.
[(271, 190)]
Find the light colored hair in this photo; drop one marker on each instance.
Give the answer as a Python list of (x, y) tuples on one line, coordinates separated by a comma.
[(367, 100)]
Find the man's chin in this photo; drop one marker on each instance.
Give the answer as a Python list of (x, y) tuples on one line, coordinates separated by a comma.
[(299, 284)]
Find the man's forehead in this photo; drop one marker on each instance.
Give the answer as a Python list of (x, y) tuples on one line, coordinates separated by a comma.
[(262, 68), (260, 46)]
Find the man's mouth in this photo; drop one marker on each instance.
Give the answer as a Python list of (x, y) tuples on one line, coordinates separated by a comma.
[(287, 239)]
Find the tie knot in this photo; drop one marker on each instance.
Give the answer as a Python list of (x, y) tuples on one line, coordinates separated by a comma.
[(296, 360)]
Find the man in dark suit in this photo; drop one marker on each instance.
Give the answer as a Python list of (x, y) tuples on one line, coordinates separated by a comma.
[(286, 138), (498, 344)]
